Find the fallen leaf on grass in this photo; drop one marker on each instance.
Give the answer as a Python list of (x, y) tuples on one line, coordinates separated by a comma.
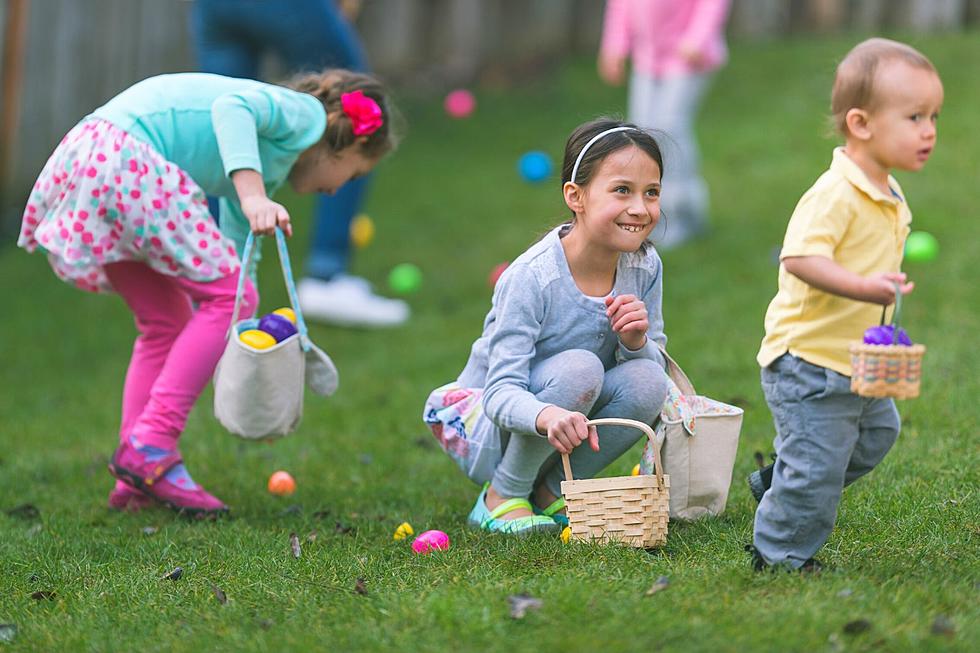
[(294, 545), (174, 575), (661, 583), (360, 586), (24, 511), (311, 537), (857, 626), (42, 595), (942, 625), (149, 530), (342, 529), (521, 603), (8, 632), (219, 594)]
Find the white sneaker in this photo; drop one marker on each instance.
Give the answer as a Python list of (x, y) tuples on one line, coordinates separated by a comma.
[(348, 301)]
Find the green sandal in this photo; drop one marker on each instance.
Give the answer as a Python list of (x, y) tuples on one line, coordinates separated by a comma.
[(552, 512), (489, 520)]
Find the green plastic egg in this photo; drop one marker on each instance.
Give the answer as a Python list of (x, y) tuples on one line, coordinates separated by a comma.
[(405, 278), (921, 247)]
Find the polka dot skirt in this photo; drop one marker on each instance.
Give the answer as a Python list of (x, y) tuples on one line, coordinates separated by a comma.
[(105, 197)]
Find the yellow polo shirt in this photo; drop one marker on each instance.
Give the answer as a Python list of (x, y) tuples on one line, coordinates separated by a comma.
[(848, 220)]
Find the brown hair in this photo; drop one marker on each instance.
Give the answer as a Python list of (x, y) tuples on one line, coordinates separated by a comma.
[(854, 82), (603, 147), (327, 86)]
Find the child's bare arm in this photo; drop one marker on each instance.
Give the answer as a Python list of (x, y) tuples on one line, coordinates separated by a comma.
[(823, 273)]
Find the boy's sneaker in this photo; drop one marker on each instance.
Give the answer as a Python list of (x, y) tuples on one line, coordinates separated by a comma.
[(347, 300), (761, 479), (160, 474), (811, 566)]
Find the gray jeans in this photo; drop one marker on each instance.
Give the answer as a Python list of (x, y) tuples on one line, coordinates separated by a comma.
[(670, 104), (575, 380), (826, 438)]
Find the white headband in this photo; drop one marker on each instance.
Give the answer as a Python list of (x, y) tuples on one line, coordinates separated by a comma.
[(592, 140)]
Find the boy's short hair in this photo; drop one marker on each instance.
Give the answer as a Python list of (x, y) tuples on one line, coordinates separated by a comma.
[(854, 82)]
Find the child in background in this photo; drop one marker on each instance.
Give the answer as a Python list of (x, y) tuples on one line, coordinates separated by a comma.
[(573, 333), (120, 207), (841, 259), (675, 47)]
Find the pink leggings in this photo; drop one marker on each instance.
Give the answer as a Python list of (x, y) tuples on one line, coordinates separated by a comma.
[(177, 348)]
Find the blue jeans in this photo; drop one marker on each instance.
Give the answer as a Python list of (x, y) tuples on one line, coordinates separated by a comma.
[(231, 37), (827, 437)]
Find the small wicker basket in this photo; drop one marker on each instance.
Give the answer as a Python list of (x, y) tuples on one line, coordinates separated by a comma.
[(632, 510), (887, 370)]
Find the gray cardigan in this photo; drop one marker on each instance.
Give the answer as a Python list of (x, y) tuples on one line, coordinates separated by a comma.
[(538, 312)]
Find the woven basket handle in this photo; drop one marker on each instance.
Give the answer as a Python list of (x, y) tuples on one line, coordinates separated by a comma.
[(617, 421)]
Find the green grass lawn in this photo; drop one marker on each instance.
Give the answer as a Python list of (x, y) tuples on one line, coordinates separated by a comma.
[(904, 553)]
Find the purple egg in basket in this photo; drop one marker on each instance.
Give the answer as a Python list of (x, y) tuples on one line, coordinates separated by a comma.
[(885, 335), (277, 326)]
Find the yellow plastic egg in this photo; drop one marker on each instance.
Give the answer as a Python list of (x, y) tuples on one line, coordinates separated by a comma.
[(361, 231), (404, 530), (287, 313), (257, 339), (566, 534), (636, 470)]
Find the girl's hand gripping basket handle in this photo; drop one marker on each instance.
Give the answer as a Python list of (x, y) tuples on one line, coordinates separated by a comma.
[(617, 421)]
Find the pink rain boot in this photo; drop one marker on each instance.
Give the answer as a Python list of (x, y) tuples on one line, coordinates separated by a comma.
[(160, 474), (124, 498)]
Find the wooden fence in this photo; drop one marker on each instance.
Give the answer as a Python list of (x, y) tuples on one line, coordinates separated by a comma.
[(66, 57)]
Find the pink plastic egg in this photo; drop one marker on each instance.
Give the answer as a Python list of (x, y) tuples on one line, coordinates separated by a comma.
[(460, 103), (430, 541)]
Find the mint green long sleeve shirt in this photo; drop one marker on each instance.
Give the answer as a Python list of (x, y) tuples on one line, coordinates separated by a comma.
[(211, 125)]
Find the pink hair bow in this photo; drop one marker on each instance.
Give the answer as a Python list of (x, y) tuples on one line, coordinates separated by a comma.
[(364, 113)]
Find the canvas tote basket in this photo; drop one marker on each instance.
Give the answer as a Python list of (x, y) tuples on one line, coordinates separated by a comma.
[(698, 450), (627, 509), (258, 393)]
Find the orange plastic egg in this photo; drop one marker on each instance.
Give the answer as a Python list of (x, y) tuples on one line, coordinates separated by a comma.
[(257, 339), (282, 483)]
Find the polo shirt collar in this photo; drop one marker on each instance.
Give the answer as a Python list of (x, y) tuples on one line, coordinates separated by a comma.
[(844, 165)]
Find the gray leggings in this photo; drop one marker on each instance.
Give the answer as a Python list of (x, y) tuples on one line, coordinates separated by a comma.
[(575, 380)]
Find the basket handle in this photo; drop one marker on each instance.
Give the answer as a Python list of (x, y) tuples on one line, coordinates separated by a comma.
[(251, 244), (618, 421), (896, 314), (677, 375)]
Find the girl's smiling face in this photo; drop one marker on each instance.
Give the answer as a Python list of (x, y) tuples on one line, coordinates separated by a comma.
[(620, 206)]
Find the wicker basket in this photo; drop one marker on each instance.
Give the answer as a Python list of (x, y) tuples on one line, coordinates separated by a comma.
[(887, 370), (632, 510)]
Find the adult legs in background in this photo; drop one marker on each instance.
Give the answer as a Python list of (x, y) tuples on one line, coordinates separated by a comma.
[(309, 35), (670, 105)]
